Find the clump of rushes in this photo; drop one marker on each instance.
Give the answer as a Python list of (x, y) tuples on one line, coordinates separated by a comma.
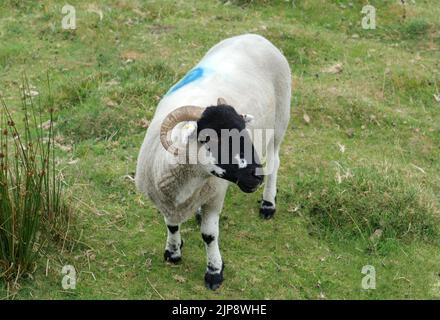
[(33, 208)]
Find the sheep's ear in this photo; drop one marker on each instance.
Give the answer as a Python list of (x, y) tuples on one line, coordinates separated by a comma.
[(221, 101), (188, 132), (248, 118)]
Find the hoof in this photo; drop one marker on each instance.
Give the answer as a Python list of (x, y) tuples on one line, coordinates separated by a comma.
[(213, 281), (267, 209), (169, 257)]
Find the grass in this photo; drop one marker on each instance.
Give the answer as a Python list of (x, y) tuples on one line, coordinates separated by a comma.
[(343, 206), (359, 182)]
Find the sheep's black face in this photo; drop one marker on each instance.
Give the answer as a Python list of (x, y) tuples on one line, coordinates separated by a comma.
[(223, 132)]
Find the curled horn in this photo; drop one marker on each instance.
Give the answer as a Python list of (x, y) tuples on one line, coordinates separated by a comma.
[(186, 113), (221, 101)]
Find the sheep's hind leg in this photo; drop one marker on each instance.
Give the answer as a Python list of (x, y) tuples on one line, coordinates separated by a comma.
[(267, 207), (210, 233), (174, 243)]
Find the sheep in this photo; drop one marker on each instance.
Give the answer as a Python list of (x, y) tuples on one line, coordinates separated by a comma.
[(243, 83)]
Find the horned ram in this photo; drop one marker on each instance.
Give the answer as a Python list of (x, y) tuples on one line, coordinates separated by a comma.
[(241, 85)]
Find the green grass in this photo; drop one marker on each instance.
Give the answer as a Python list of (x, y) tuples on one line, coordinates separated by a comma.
[(359, 184)]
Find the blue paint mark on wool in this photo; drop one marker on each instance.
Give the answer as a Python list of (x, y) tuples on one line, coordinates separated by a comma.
[(191, 76)]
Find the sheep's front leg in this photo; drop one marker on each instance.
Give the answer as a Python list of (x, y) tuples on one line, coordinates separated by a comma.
[(210, 234), (174, 243)]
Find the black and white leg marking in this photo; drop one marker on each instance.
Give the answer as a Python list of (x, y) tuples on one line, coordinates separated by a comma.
[(174, 243), (267, 209), (210, 233)]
